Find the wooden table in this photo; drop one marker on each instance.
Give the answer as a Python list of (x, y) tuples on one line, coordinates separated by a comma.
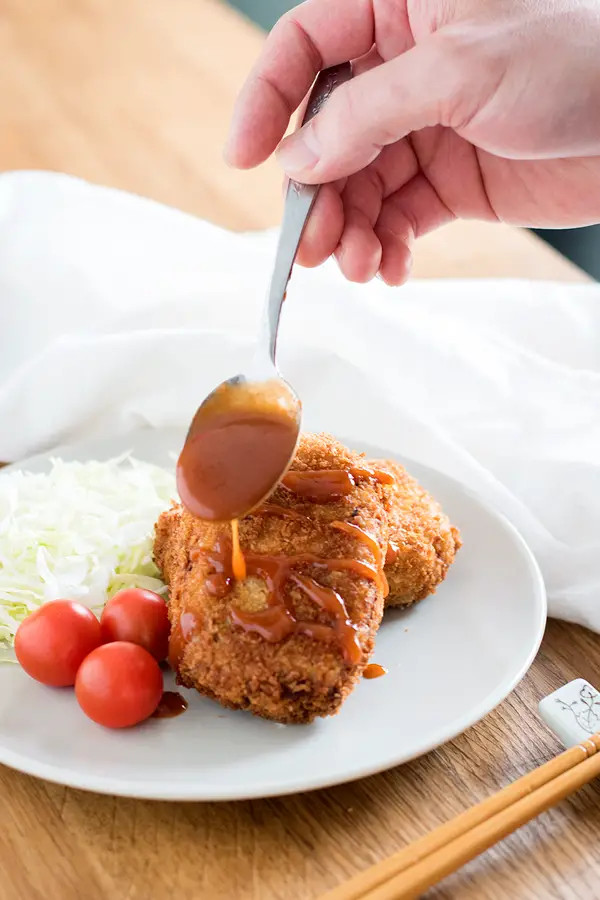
[(137, 94)]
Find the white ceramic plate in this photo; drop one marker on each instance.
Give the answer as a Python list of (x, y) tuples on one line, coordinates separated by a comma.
[(451, 660)]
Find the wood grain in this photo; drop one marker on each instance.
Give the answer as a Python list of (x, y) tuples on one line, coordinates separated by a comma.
[(137, 94)]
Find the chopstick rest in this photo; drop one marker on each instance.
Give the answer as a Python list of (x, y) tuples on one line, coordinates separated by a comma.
[(572, 712)]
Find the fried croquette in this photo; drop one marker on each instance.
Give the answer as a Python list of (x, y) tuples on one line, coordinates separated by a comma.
[(224, 633), (422, 542)]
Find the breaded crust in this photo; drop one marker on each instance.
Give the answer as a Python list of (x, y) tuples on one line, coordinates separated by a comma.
[(426, 542), (299, 677)]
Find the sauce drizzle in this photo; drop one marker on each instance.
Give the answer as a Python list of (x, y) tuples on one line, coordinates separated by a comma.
[(392, 553), (373, 670), (373, 546), (273, 509), (278, 620), (330, 601), (180, 636), (319, 484), (330, 484), (379, 475), (227, 563), (238, 563), (171, 704)]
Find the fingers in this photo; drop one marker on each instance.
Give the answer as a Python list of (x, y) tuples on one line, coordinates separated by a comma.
[(372, 219), (367, 62), (409, 213), (311, 37), (370, 233), (324, 227), (377, 108), (359, 251), (342, 223), (349, 229)]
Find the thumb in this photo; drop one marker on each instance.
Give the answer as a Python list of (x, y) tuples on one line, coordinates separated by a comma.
[(421, 87)]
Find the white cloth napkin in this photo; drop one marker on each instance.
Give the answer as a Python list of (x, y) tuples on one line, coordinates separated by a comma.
[(117, 314)]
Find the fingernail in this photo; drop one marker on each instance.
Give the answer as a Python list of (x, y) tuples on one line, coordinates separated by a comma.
[(299, 152)]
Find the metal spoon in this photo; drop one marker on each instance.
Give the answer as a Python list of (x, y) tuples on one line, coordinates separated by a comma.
[(244, 435)]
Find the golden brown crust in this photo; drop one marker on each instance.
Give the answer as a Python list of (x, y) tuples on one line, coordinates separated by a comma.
[(297, 678), (427, 543)]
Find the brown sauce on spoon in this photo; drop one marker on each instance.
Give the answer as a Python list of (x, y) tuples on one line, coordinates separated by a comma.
[(240, 443)]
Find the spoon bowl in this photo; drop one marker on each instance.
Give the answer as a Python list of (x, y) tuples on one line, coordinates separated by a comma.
[(240, 444)]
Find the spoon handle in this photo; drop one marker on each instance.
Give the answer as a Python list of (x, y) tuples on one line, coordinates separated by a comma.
[(299, 201)]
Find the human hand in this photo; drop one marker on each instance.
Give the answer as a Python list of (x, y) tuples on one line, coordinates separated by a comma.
[(486, 109)]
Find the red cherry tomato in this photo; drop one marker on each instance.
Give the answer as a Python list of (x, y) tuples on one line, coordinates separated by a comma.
[(52, 642), (140, 617), (119, 685)]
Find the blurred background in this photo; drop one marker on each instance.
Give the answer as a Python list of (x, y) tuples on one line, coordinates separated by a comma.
[(264, 12), (581, 245)]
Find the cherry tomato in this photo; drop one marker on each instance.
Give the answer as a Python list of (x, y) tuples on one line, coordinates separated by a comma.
[(52, 642), (140, 617), (119, 685)]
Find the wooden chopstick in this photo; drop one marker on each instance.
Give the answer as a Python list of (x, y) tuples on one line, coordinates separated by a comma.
[(411, 871)]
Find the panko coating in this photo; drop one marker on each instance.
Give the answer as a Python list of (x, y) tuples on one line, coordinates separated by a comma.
[(422, 542), (310, 670)]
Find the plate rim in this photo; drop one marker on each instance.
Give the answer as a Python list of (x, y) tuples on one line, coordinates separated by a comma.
[(185, 792)]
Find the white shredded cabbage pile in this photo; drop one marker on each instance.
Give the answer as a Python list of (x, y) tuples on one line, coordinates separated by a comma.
[(82, 531)]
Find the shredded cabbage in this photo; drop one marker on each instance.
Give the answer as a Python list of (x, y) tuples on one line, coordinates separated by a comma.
[(81, 531)]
